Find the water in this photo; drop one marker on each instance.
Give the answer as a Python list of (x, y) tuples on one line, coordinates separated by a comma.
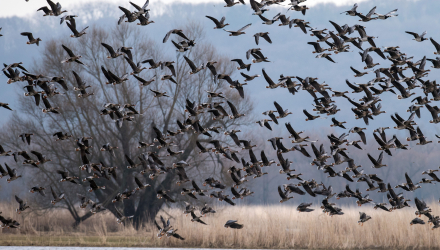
[(97, 248)]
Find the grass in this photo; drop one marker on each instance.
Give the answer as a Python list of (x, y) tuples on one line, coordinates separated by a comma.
[(272, 227)]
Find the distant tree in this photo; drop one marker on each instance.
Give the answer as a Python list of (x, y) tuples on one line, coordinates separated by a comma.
[(81, 117)]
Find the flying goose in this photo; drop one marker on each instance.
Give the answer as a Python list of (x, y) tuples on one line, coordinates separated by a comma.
[(241, 64), (81, 86), (112, 53), (68, 18), (271, 21), (22, 205), (56, 198), (352, 11), (264, 35), (72, 57), (387, 15), (218, 24), (120, 217), (196, 218), (363, 217), (144, 20), (193, 67), (31, 38), (233, 224), (367, 17), (238, 32), (40, 190), (174, 31), (230, 3), (417, 37), (75, 32)]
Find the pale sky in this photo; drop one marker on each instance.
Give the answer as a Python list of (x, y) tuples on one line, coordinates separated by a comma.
[(20, 8)]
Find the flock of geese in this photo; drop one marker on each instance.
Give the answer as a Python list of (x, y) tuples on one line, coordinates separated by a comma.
[(329, 43)]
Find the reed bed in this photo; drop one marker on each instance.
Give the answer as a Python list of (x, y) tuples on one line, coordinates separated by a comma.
[(265, 227)]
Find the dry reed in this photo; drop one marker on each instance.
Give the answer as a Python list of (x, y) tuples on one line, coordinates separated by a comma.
[(275, 227)]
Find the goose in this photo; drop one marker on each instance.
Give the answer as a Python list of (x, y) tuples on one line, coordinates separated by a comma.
[(56, 8), (238, 32), (164, 194), (75, 32), (145, 20), (283, 195), (326, 56), (81, 86), (248, 77), (179, 47), (387, 15), (421, 137), (111, 51), (264, 35), (265, 123), (14, 65), (436, 45), (435, 62), (309, 116), (367, 17), (65, 176), (271, 21), (302, 8), (31, 92), (337, 123), (68, 18), (143, 82), (234, 111), (3, 152), (359, 131), (8, 223), (108, 148), (174, 31), (159, 94), (94, 186), (408, 186), (363, 217), (41, 158), (131, 17), (197, 190), (317, 47), (259, 57), (230, 3), (40, 190), (369, 62), (56, 198), (135, 67), (84, 201), (48, 108), (26, 138), (416, 221), (193, 67), (218, 24), (271, 83), (165, 226), (196, 218), (233, 224), (22, 205), (422, 208), (417, 37), (377, 163), (31, 38), (206, 209), (291, 188), (121, 218), (46, 10), (241, 64), (172, 233), (352, 11)]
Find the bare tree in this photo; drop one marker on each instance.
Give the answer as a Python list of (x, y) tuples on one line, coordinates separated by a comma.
[(81, 117)]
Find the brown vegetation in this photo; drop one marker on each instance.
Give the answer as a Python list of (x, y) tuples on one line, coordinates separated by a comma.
[(276, 227)]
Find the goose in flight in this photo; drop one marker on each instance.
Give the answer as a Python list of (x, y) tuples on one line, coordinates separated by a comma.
[(218, 24), (417, 37), (31, 38), (238, 32)]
